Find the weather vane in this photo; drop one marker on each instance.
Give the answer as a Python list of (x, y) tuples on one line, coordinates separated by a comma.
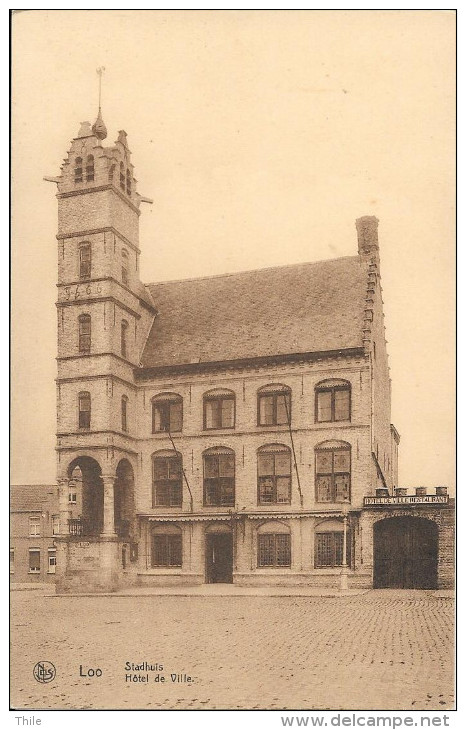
[(100, 71)]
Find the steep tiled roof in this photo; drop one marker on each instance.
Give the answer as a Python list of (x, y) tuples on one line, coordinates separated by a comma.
[(31, 497), (301, 308)]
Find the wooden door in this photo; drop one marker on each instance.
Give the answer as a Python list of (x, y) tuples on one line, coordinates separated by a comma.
[(405, 553)]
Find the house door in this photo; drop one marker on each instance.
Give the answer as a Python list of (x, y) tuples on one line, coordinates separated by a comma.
[(405, 553), (219, 558)]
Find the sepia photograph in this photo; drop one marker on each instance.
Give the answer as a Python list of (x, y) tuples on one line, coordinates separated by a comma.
[(233, 254)]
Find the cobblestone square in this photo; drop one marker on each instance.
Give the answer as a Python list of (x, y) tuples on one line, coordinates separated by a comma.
[(379, 650)]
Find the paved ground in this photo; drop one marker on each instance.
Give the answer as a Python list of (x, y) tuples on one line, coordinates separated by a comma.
[(376, 650)]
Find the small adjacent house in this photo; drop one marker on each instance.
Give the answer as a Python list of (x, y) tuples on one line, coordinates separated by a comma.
[(227, 428)]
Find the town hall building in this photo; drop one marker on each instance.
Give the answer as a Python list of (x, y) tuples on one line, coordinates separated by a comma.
[(230, 428)]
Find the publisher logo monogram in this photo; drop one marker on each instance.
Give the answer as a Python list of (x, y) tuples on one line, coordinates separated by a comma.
[(44, 672)]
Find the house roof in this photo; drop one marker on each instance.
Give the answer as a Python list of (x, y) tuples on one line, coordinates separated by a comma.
[(303, 308), (31, 497)]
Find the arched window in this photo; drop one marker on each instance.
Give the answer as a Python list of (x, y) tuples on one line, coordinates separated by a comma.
[(274, 405), (167, 547), (123, 334), (333, 471), (219, 409), (85, 260), (90, 168), (84, 325), (167, 479), (328, 545), (84, 408), (273, 545), (128, 182), (78, 170), (124, 413), (111, 173), (333, 401), (124, 267), (167, 413), (219, 477), (122, 176), (274, 474)]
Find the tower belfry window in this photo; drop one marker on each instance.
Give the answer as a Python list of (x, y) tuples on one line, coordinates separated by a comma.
[(128, 182), (84, 407), (84, 333), (124, 268), (122, 176), (124, 330), (78, 170), (85, 261), (90, 168)]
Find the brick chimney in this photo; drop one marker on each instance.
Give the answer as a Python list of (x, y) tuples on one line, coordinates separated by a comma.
[(368, 239)]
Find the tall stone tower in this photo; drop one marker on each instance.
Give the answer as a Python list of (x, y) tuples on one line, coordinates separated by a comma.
[(104, 314)]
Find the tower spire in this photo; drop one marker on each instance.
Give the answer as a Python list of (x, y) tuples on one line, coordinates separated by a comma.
[(99, 128)]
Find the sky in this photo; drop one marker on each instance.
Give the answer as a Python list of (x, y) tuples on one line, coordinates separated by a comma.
[(261, 136)]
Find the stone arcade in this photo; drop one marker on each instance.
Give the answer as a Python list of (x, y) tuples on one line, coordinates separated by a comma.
[(224, 429)]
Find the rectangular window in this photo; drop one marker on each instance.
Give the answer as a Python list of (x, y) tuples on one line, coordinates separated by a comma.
[(167, 481), (85, 410), (84, 325), (167, 416), (219, 480), (333, 404), (55, 524), (274, 409), (166, 551), (124, 413), (52, 556), (219, 412), (333, 475), (274, 550), (329, 549), (34, 560), (85, 261), (12, 560), (34, 526), (274, 478)]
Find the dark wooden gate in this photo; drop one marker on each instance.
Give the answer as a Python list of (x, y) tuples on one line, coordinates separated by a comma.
[(405, 553), (219, 558)]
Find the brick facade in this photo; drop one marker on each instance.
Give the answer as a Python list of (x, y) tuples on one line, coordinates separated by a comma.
[(299, 329)]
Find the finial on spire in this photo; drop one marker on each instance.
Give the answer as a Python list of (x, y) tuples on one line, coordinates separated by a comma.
[(99, 128)]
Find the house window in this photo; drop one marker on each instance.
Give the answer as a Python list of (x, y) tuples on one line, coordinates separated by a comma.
[(167, 413), (55, 524), (124, 333), (329, 549), (34, 560), (274, 405), (219, 409), (333, 472), (78, 170), (166, 551), (219, 477), (72, 498), (124, 413), (90, 168), (122, 176), (128, 182), (167, 480), (84, 324), (52, 560), (34, 526), (124, 268), (84, 401), (12, 560), (274, 550), (333, 401), (85, 261), (274, 474)]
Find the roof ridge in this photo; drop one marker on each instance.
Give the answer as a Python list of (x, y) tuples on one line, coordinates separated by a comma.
[(251, 271)]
